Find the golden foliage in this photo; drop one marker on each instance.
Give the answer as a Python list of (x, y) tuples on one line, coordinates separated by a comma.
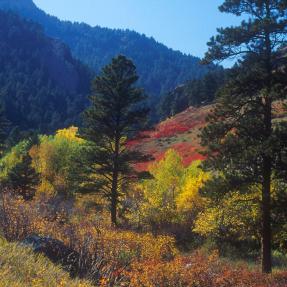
[(54, 160), (223, 221), (172, 195)]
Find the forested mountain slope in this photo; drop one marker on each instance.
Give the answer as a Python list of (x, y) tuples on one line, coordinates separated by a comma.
[(160, 69), (41, 85), (197, 92)]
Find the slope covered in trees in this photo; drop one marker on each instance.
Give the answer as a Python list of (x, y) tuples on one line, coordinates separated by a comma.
[(197, 92), (42, 87), (160, 69)]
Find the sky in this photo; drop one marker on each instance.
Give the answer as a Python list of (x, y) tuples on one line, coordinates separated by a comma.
[(184, 25)]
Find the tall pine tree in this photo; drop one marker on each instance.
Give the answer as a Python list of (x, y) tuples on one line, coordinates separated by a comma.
[(116, 113), (242, 140)]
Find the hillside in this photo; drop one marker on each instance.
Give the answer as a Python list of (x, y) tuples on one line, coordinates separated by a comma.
[(160, 68), (42, 86), (195, 93), (179, 132)]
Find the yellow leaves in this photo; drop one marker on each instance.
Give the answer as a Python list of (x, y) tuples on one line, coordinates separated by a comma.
[(174, 190), (194, 179), (225, 216), (161, 191), (207, 222), (53, 159), (116, 249), (70, 134)]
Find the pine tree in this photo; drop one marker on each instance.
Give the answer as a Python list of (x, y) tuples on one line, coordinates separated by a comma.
[(116, 113), (241, 139), (23, 178)]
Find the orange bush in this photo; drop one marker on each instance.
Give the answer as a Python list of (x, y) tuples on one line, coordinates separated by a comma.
[(199, 270)]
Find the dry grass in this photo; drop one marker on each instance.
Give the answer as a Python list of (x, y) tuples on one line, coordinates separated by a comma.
[(20, 267)]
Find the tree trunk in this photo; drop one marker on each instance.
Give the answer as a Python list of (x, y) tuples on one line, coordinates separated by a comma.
[(114, 199), (266, 219), (266, 244), (115, 178)]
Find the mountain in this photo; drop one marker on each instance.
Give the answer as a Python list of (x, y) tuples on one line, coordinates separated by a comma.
[(42, 86), (160, 68)]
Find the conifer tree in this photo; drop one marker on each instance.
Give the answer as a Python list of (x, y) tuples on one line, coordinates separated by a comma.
[(242, 140), (23, 178), (116, 113)]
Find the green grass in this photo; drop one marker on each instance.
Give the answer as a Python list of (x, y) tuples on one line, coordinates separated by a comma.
[(20, 267)]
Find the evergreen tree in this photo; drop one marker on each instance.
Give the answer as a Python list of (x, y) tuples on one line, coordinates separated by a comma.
[(116, 113), (241, 139), (23, 178)]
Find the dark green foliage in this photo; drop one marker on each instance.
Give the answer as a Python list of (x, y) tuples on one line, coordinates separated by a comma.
[(41, 85), (116, 113), (4, 125), (16, 171), (193, 93), (160, 69), (23, 179), (242, 140)]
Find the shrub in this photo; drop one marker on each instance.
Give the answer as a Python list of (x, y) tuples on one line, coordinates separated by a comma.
[(200, 270)]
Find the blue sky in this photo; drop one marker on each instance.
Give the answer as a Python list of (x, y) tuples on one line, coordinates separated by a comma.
[(184, 25)]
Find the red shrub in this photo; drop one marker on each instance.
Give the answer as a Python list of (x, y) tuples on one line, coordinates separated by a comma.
[(169, 129)]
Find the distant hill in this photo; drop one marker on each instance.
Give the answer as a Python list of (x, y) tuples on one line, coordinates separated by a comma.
[(41, 85), (160, 69)]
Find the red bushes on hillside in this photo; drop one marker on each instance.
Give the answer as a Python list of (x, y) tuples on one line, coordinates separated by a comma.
[(188, 152), (169, 129), (178, 133)]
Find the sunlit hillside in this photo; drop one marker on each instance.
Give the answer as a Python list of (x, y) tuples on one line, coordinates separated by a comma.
[(179, 133)]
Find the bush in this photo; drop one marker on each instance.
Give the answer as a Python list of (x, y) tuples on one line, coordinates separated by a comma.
[(200, 270)]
